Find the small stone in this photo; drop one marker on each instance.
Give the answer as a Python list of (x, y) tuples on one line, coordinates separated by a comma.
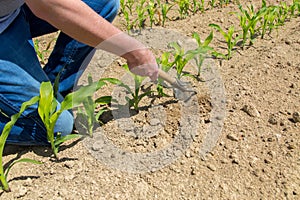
[(232, 137), (193, 172), (211, 167), (291, 146), (288, 42), (188, 154), (69, 164), (251, 110), (296, 117), (235, 161)]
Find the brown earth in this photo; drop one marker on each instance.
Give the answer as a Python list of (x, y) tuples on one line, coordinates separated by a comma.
[(256, 156)]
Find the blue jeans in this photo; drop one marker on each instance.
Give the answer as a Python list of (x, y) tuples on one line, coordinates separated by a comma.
[(21, 72)]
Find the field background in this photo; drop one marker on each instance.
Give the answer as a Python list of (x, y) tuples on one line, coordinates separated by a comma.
[(256, 157)]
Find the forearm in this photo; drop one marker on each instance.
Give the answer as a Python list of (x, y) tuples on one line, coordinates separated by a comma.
[(74, 18), (79, 21)]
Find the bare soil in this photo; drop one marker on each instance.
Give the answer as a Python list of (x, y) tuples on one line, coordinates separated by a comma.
[(256, 156)]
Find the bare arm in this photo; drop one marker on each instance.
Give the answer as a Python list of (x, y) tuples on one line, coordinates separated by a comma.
[(79, 21)]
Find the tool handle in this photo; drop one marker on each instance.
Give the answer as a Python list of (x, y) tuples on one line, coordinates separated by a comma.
[(162, 74)]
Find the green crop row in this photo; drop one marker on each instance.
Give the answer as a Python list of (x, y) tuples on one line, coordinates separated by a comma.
[(157, 12), (254, 23)]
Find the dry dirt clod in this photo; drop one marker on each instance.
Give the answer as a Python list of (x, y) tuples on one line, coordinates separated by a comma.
[(273, 119)]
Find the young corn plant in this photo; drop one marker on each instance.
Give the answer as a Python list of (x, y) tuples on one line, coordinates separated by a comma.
[(198, 5), (200, 53), (141, 16), (165, 9), (5, 132), (180, 59), (151, 9), (165, 65), (136, 96), (88, 117), (183, 9), (229, 38), (268, 21), (248, 22), (129, 24), (129, 4), (49, 111), (295, 7), (122, 6), (212, 3), (283, 13)]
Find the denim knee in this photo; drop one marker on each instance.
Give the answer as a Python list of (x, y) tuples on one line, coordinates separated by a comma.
[(108, 9), (64, 124)]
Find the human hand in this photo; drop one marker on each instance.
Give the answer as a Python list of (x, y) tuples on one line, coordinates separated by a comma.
[(143, 63)]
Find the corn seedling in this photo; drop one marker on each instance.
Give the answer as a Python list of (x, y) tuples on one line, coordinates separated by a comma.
[(283, 11), (129, 25), (136, 96), (230, 40), (201, 51), (224, 2), (165, 65), (248, 22), (268, 19), (49, 111), (183, 8), (141, 16), (198, 5), (122, 6), (5, 132), (180, 59), (129, 4), (88, 117), (151, 9), (295, 7), (212, 3), (165, 8)]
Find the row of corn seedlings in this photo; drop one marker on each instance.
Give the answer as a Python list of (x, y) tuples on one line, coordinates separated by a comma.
[(254, 23), (136, 13)]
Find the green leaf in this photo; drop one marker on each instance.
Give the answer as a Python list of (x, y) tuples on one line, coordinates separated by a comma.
[(208, 39), (47, 103), (61, 139), (104, 100)]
